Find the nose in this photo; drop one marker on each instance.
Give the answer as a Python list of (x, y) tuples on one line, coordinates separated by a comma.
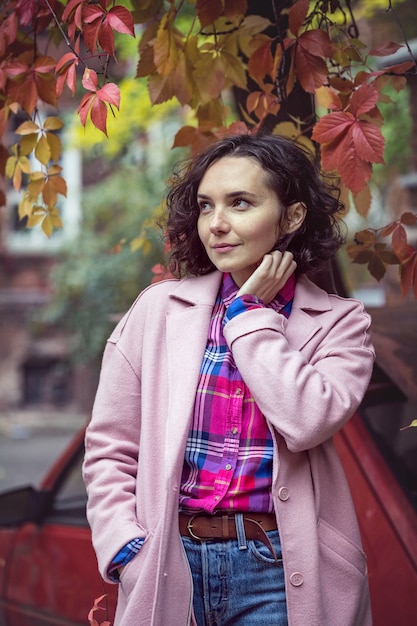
[(218, 221)]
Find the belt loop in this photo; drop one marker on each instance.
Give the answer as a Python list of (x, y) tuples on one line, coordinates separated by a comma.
[(240, 531)]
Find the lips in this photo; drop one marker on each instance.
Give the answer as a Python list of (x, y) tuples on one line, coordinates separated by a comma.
[(223, 247)]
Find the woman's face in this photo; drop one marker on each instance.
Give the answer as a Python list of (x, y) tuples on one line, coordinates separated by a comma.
[(239, 215)]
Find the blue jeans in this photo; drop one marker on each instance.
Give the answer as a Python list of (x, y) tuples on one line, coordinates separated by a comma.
[(239, 586)]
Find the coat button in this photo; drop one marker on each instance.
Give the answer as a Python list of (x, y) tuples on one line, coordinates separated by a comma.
[(296, 579), (283, 493)]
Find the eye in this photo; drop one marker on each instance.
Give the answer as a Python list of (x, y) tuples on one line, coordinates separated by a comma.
[(204, 206), (240, 203)]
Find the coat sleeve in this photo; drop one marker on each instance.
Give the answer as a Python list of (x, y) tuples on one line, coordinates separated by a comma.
[(111, 456), (308, 394)]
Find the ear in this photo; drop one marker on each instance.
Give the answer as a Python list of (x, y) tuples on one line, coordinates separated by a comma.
[(295, 216)]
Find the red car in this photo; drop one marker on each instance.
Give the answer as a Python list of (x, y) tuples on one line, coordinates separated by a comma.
[(48, 569)]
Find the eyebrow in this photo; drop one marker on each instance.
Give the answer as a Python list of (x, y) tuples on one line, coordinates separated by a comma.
[(232, 194)]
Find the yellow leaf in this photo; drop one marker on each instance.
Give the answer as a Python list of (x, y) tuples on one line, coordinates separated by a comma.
[(43, 151), (35, 187), (234, 69), (328, 98), (184, 85), (10, 166), (146, 247), (48, 226), (55, 146), (37, 176), (253, 24), (211, 114), (53, 123), (35, 218), (209, 76), (24, 164), (137, 243), (165, 48), (27, 128), (25, 207), (27, 144)]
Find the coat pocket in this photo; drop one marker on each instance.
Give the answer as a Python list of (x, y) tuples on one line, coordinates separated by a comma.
[(344, 593), (340, 553)]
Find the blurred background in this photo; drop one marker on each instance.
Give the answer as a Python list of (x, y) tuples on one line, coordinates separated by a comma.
[(60, 298)]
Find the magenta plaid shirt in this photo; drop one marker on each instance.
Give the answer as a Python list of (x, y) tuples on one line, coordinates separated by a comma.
[(228, 458)]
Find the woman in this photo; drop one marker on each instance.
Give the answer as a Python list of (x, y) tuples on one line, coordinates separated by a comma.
[(215, 493)]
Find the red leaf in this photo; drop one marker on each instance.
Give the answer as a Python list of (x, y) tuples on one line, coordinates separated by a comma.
[(384, 49), (363, 99), (332, 126), (368, 141), (261, 62), (67, 74), (297, 14), (99, 115), (95, 607), (311, 70), (408, 218), (70, 7), (121, 19), (235, 7), (15, 70), (106, 38), (401, 68), (27, 10), (388, 230), (317, 43), (110, 93), (343, 156), (93, 12), (408, 274), (90, 80), (208, 11), (91, 33), (8, 32), (67, 59), (84, 107), (399, 242), (354, 172)]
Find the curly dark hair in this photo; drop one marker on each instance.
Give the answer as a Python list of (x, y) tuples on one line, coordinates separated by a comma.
[(291, 172)]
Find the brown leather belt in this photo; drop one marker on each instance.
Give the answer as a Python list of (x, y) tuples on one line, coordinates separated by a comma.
[(222, 526)]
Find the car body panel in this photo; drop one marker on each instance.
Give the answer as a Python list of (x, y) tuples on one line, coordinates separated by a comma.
[(388, 526)]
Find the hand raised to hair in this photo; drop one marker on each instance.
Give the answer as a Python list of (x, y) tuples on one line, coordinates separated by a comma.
[(270, 276)]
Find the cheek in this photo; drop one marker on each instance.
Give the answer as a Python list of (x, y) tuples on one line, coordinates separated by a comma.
[(202, 231)]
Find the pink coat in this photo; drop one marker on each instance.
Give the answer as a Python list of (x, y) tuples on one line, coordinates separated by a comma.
[(308, 374)]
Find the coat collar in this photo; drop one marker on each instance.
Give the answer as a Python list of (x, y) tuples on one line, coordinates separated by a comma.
[(197, 289), (203, 290)]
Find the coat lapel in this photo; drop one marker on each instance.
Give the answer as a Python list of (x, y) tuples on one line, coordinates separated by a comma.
[(302, 326), (188, 320)]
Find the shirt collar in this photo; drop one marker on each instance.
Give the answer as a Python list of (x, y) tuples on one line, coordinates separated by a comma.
[(282, 300)]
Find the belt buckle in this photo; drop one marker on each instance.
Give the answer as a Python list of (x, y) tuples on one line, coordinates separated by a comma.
[(190, 529)]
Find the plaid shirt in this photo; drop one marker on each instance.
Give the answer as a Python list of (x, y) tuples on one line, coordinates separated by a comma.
[(228, 458)]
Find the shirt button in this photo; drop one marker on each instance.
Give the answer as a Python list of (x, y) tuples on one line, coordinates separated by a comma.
[(217, 498), (228, 466), (234, 431), (296, 579), (283, 493), (238, 391)]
